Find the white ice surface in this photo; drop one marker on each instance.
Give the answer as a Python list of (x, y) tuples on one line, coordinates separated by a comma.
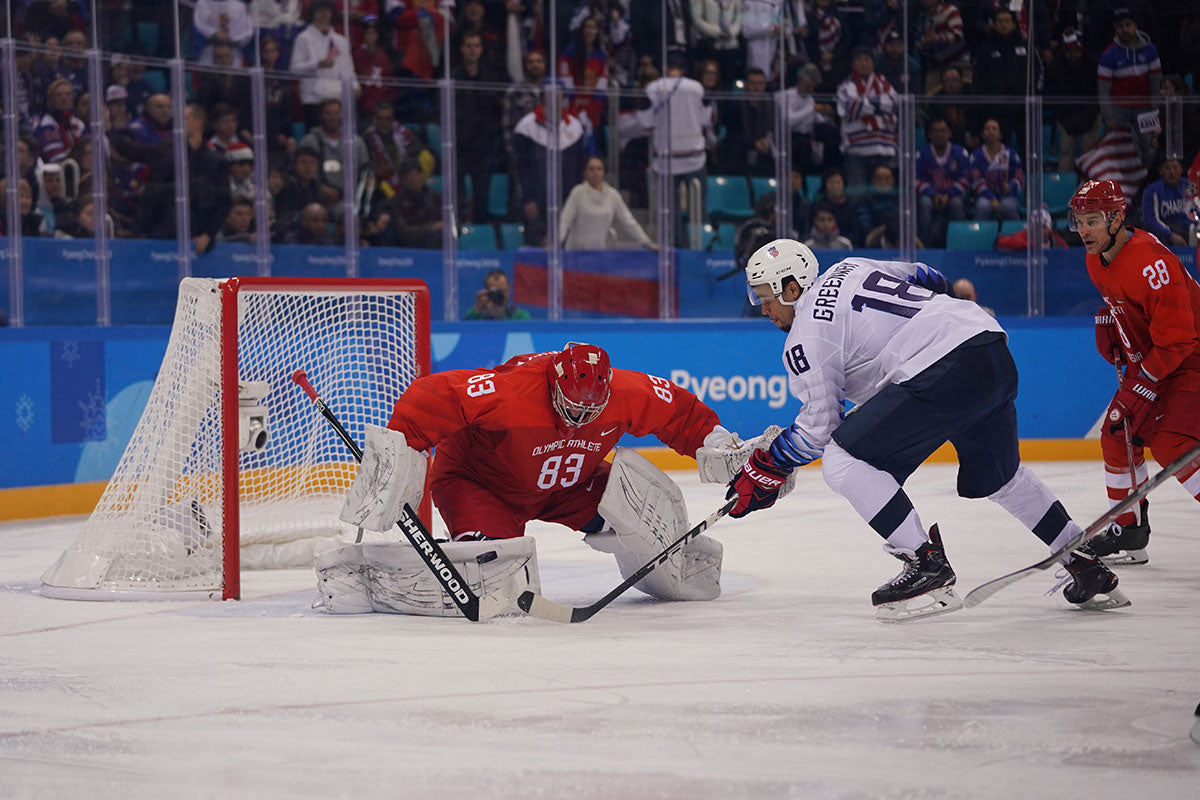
[(784, 687)]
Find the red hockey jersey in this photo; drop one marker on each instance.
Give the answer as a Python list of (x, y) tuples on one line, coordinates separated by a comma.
[(497, 428), (1155, 302)]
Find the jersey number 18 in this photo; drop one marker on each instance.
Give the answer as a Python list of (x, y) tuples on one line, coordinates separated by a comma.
[(884, 284)]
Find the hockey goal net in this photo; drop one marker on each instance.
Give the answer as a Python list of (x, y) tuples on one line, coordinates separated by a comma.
[(230, 465)]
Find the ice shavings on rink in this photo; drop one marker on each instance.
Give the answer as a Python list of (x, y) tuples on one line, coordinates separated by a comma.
[(786, 686)]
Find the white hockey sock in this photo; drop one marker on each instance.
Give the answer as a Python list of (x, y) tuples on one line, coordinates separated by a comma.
[(1032, 502), (909, 536), (876, 496)]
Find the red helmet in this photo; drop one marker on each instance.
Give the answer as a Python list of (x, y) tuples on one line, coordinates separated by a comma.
[(580, 383), (1098, 196), (1104, 197)]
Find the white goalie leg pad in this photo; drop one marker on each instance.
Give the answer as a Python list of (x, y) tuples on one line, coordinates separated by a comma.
[(392, 578), (645, 513), (390, 475)]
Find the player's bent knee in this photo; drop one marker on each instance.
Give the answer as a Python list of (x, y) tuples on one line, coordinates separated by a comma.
[(392, 578), (836, 466)]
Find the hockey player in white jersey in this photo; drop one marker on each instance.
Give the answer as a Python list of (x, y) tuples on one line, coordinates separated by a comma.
[(921, 368)]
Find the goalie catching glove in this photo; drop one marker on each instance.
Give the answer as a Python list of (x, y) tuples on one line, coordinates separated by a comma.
[(723, 454), (391, 474)]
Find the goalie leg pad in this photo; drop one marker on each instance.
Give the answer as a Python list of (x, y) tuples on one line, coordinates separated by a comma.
[(392, 579), (645, 513), (391, 474)]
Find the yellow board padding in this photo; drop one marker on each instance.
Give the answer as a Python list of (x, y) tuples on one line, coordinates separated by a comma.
[(33, 502)]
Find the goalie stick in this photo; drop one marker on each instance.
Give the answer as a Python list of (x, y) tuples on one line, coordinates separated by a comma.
[(473, 607), (986, 590), (537, 606)]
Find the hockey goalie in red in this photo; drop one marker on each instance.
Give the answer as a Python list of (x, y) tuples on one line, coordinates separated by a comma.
[(527, 440), (1150, 325)]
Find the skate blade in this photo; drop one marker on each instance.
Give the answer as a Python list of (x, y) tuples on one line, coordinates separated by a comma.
[(1126, 558), (1103, 602), (930, 604)]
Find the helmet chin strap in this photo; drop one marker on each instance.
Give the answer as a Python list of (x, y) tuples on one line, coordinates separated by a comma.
[(1112, 239)]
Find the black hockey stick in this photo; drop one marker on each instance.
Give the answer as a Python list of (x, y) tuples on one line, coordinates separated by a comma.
[(472, 606), (537, 606), (986, 590)]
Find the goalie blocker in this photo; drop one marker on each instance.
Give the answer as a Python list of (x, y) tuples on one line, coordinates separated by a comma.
[(390, 475)]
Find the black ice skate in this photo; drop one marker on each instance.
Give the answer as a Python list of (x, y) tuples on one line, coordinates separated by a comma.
[(923, 587), (1124, 544), (1090, 583)]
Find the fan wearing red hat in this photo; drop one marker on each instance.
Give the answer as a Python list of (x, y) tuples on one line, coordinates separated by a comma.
[(1150, 325)]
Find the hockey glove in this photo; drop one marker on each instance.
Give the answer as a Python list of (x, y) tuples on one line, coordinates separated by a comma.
[(758, 484), (1133, 403), (1108, 338)]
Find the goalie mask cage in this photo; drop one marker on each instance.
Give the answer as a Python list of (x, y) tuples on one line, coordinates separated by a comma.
[(200, 492)]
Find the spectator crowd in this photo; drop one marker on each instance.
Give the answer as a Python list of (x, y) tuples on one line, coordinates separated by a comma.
[(1107, 72)]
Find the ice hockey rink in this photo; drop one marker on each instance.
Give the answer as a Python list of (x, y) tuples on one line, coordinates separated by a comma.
[(786, 686)]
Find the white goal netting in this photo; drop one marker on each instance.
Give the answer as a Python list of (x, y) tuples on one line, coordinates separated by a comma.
[(222, 455)]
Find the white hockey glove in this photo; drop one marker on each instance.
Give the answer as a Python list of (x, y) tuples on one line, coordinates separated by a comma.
[(723, 455), (391, 474)]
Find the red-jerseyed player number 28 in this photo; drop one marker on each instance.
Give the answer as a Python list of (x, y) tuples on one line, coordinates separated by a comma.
[(1157, 274)]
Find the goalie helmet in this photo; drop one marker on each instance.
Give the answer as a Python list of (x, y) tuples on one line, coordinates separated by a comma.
[(580, 383), (1097, 196), (777, 260)]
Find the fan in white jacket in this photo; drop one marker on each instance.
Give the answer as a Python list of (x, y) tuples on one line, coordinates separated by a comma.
[(594, 211)]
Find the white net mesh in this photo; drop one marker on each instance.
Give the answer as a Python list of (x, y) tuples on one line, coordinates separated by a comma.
[(161, 523)]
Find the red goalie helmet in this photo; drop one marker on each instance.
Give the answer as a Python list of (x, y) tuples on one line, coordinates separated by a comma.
[(1103, 196), (580, 383)]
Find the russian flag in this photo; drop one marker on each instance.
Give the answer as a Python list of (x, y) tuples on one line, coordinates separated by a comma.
[(622, 283)]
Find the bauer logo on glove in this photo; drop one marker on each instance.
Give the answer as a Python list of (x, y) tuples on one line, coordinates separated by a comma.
[(758, 485)]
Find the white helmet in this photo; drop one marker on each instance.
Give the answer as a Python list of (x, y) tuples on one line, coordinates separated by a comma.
[(776, 260)]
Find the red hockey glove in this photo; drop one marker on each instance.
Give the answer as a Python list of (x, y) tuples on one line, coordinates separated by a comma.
[(1108, 339), (1133, 403), (758, 484)]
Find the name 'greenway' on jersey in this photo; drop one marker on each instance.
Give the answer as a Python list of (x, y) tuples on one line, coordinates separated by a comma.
[(863, 326)]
